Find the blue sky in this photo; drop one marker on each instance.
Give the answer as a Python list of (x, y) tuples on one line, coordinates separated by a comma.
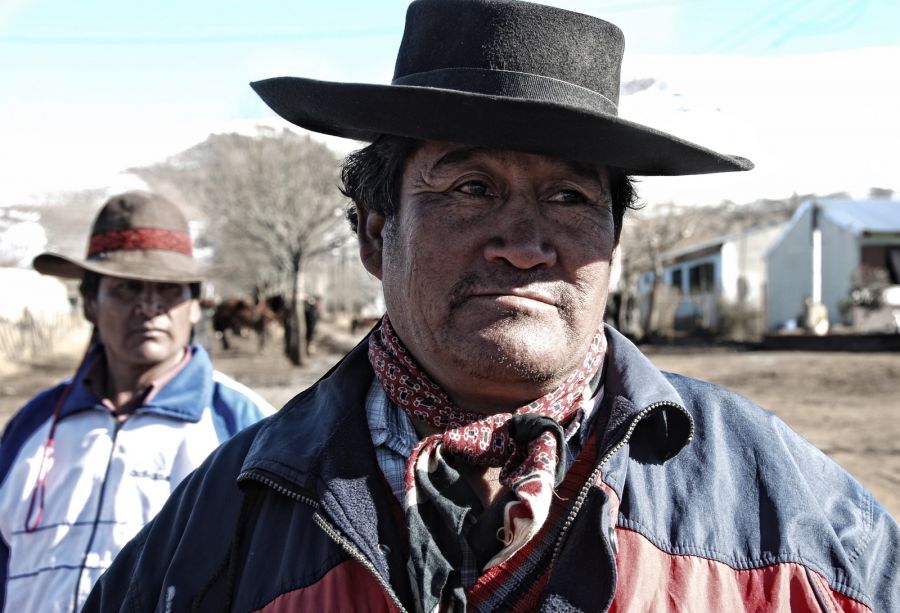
[(91, 87)]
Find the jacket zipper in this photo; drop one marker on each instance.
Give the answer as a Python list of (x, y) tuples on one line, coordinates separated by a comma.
[(331, 530), (582, 494), (278, 488), (357, 555), (90, 543)]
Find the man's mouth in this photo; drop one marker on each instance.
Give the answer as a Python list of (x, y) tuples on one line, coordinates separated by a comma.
[(514, 299), (526, 291), (149, 332), (517, 295)]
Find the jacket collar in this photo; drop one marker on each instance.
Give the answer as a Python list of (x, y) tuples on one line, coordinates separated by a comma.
[(184, 397), (638, 393), (331, 416), (319, 448)]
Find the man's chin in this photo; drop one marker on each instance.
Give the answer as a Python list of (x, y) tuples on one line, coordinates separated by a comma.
[(504, 324), (152, 353), (513, 354), (516, 332)]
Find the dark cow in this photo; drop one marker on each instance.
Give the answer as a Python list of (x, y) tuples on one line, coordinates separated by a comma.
[(237, 315)]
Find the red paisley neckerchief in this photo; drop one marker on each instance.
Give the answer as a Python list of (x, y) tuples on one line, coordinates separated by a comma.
[(484, 440)]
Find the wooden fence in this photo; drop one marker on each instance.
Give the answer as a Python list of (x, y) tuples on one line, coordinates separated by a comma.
[(30, 336)]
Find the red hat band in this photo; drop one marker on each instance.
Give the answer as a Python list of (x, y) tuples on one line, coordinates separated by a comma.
[(140, 239)]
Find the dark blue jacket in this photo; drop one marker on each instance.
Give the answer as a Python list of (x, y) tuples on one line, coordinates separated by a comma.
[(701, 501)]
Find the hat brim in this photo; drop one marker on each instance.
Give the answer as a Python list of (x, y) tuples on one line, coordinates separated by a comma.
[(186, 271), (364, 111)]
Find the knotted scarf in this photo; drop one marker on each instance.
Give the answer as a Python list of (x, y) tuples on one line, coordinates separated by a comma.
[(527, 444)]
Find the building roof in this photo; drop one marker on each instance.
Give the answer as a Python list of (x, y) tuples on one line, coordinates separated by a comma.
[(858, 217), (863, 216), (704, 247)]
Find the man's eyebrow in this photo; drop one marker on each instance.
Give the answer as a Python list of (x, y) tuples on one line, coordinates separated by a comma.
[(465, 154), (584, 170), (458, 156)]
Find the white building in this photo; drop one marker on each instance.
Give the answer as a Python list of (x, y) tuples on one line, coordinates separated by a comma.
[(805, 264), (705, 278)]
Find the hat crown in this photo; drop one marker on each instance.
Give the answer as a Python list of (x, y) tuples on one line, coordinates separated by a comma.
[(520, 37), (136, 209), (136, 235), (504, 74)]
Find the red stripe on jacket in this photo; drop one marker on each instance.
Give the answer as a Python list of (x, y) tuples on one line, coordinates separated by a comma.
[(349, 586), (650, 579)]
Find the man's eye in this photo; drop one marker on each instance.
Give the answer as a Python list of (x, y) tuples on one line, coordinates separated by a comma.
[(171, 290), (571, 196), (126, 290), (474, 188)]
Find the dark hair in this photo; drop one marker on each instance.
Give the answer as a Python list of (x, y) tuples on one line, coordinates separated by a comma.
[(371, 179), (371, 176), (90, 284)]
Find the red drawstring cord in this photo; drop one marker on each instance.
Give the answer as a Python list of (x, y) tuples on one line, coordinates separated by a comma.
[(39, 493), (40, 486)]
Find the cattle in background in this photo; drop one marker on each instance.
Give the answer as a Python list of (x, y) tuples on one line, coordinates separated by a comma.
[(239, 317)]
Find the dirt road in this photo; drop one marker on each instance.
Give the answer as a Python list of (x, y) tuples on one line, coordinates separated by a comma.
[(847, 404)]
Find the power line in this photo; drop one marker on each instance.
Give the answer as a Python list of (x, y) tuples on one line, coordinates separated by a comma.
[(826, 21), (748, 29), (195, 40), (784, 23), (619, 8), (242, 39)]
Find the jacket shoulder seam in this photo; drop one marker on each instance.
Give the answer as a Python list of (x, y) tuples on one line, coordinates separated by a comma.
[(868, 524)]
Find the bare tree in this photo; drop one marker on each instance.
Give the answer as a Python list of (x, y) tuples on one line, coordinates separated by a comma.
[(647, 234), (272, 202)]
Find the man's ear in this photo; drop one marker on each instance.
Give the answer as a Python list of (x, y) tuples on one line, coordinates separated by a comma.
[(89, 306), (615, 266), (196, 313), (369, 232)]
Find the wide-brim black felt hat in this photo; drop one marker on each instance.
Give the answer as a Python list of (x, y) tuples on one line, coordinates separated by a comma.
[(501, 74), (136, 235)]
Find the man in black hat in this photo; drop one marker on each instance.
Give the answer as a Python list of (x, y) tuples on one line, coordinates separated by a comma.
[(491, 445), (85, 464)]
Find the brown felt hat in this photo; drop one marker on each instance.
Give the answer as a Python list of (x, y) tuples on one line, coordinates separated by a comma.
[(501, 74), (136, 235)]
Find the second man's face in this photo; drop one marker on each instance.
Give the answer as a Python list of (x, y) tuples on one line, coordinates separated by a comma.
[(496, 268), (142, 323)]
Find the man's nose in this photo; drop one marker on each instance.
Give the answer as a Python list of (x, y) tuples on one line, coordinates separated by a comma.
[(519, 236), (150, 301)]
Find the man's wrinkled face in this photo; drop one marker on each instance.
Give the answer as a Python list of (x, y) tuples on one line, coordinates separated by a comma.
[(496, 266), (142, 323)]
